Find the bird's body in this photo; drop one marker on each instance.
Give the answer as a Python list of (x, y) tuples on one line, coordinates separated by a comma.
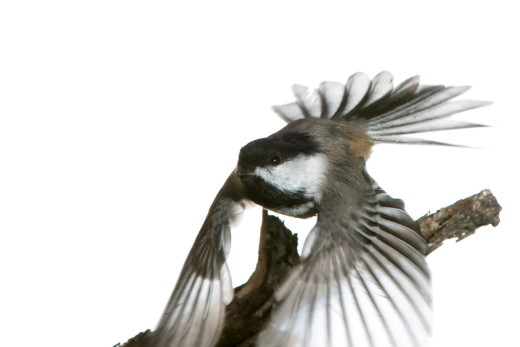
[(296, 184), (364, 280)]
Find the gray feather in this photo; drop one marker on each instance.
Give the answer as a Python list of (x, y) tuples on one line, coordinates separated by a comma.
[(333, 94), (363, 282), (194, 315), (357, 87), (289, 112), (309, 100), (380, 87), (382, 111)]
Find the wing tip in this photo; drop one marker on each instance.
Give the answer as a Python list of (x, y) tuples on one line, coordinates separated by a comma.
[(284, 112)]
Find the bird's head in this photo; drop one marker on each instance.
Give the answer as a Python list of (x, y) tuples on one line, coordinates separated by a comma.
[(283, 173)]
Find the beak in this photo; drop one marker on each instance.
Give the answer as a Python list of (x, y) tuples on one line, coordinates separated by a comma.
[(242, 172)]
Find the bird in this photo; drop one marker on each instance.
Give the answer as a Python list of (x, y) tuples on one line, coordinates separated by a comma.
[(363, 279)]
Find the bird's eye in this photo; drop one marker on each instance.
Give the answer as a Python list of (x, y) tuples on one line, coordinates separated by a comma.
[(275, 160)]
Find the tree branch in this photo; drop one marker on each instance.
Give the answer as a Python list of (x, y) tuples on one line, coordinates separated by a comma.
[(460, 220), (251, 307)]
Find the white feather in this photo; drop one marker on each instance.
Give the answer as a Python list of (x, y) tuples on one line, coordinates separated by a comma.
[(289, 112), (333, 94), (309, 99), (380, 86), (357, 87)]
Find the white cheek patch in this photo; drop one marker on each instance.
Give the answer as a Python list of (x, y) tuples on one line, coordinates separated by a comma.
[(305, 173)]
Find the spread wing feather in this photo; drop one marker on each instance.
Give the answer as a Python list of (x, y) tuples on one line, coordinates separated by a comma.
[(356, 90), (289, 112), (363, 282), (308, 100), (381, 110), (332, 95), (194, 315)]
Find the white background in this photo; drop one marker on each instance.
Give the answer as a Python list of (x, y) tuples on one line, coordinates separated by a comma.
[(119, 121)]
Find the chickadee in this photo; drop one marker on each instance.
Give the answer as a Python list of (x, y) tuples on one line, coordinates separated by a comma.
[(363, 280)]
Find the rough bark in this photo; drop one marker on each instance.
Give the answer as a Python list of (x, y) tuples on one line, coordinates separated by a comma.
[(251, 307), (460, 219)]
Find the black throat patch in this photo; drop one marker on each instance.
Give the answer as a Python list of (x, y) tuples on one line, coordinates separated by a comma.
[(272, 198)]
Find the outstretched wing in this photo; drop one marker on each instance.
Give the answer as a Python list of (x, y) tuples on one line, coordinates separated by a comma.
[(364, 280), (385, 113), (194, 315)]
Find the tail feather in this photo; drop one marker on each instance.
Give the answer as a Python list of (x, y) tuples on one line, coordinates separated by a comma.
[(382, 111)]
